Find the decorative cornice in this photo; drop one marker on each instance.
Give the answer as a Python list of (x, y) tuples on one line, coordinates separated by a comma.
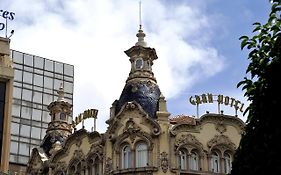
[(221, 121), (224, 119), (149, 53)]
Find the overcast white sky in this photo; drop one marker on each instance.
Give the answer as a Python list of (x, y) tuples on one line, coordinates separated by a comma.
[(196, 42)]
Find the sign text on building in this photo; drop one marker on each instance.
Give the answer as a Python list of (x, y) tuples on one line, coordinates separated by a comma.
[(89, 113), (210, 98), (7, 16)]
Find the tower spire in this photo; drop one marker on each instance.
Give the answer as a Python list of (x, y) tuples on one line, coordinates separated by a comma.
[(140, 33), (60, 93)]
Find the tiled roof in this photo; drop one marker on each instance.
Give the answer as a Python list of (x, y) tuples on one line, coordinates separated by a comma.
[(180, 119)]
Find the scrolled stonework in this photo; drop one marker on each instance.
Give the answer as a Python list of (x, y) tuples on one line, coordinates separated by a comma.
[(164, 161), (188, 139), (221, 142)]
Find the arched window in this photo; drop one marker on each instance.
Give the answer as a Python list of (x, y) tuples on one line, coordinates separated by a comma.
[(141, 155), (139, 63), (75, 167), (126, 157), (93, 165), (227, 163), (194, 161), (182, 159), (62, 116), (215, 162)]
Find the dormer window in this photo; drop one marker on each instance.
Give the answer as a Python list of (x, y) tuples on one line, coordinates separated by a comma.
[(139, 63)]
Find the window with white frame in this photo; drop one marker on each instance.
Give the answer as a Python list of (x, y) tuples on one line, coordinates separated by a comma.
[(227, 163), (215, 162), (183, 159), (194, 161), (141, 155), (126, 157)]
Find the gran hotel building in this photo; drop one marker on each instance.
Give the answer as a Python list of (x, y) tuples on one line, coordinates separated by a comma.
[(141, 138), (29, 84)]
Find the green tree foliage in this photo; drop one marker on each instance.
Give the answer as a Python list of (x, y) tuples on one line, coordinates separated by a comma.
[(259, 151)]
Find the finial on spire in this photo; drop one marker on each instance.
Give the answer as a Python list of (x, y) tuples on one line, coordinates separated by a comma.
[(61, 93), (140, 14), (140, 33)]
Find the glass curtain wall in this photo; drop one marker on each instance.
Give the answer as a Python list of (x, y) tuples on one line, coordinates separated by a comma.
[(36, 82)]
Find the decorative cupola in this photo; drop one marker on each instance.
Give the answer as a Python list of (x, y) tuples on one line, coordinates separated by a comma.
[(59, 128), (141, 58), (141, 85)]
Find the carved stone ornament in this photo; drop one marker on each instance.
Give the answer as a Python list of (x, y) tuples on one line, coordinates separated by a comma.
[(78, 141), (164, 161), (188, 139), (60, 167), (108, 165), (130, 106), (221, 142), (78, 154), (220, 127), (131, 128)]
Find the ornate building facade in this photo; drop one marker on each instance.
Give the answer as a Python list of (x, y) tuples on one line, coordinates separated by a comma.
[(142, 137)]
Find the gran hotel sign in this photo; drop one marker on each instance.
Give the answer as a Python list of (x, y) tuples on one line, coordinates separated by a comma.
[(220, 99)]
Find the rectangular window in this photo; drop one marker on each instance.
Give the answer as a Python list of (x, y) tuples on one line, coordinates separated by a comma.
[(18, 75), (47, 99), (25, 130), (26, 112), (14, 147), (26, 95), (49, 65), (48, 82), (28, 60), (27, 77), (15, 128), (17, 93), (38, 80), (59, 67), (17, 57), (38, 62), (16, 110), (68, 70), (36, 114), (68, 87), (46, 117), (23, 159), (35, 132), (37, 97)]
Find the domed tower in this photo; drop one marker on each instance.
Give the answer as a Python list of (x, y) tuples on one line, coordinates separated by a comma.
[(141, 85), (59, 128)]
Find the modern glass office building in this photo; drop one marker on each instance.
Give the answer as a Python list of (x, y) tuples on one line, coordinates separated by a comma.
[(36, 82)]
